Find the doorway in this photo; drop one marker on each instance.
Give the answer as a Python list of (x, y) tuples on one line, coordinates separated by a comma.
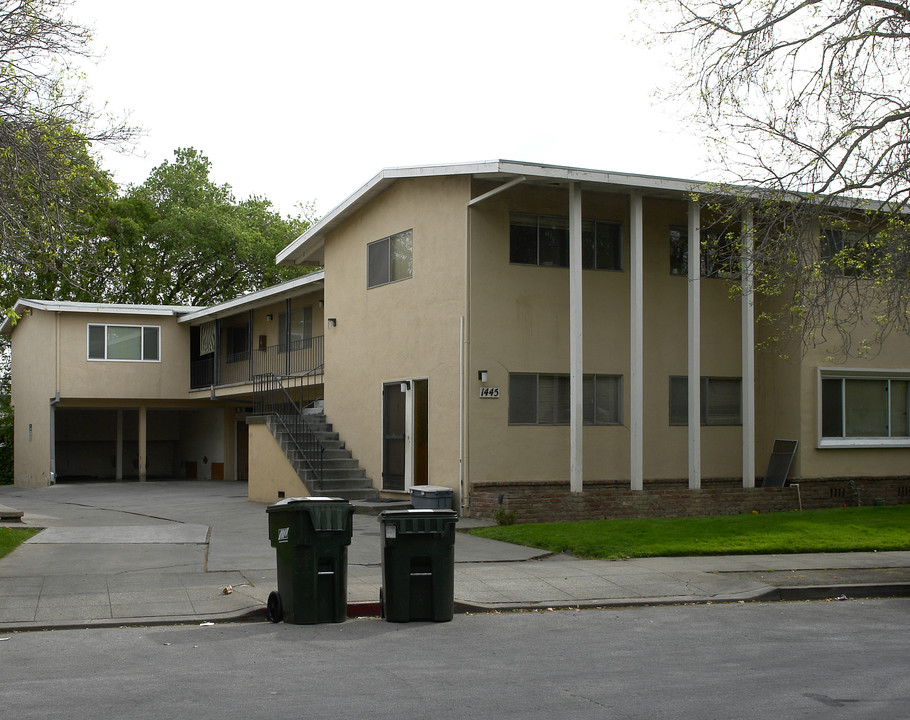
[(405, 434), (243, 450)]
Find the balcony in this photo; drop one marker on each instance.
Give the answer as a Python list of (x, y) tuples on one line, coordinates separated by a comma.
[(300, 357)]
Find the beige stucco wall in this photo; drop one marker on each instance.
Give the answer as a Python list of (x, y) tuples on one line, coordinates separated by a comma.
[(406, 329), (270, 471), (81, 377), (787, 403), (269, 328), (49, 356), (33, 388), (894, 354), (519, 323)]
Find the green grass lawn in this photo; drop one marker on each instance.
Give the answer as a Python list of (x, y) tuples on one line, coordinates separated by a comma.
[(837, 530), (11, 538)]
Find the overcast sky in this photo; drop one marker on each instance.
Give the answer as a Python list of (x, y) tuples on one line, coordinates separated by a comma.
[(305, 101)]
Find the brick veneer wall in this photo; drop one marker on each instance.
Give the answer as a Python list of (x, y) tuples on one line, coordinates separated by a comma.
[(549, 501)]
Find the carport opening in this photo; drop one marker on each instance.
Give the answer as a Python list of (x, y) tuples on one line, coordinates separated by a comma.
[(180, 444)]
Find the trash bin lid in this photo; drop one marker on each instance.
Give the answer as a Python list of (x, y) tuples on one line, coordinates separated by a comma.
[(431, 490), (287, 501)]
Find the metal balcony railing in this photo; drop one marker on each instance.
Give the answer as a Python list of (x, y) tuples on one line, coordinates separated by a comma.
[(297, 358)]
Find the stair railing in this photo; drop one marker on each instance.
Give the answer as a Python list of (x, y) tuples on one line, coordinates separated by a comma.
[(273, 398)]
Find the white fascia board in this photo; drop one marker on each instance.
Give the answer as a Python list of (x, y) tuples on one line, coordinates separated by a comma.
[(310, 242), (91, 308), (259, 297)]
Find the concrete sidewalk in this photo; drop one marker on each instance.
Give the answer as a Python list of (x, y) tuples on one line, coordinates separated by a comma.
[(198, 551)]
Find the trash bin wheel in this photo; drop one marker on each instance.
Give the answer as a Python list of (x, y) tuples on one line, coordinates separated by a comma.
[(273, 610)]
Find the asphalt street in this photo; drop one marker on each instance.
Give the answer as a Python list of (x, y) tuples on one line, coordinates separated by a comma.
[(823, 660)]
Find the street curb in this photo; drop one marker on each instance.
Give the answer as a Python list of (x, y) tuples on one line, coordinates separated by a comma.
[(370, 609)]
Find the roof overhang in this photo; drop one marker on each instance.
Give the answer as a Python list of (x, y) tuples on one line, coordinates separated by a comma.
[(307, 283), (309, 246), (23, 305)]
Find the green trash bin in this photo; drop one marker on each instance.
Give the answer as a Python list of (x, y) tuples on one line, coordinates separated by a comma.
[(311, 537), (418, 565)]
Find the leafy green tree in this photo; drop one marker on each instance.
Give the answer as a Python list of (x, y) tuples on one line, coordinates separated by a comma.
[(181, 238), (809, 102), (51, 188)]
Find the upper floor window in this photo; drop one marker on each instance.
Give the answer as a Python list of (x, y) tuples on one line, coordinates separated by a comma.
[(124, 342), (298, 333), (719, 253), (544, 240), (721, 400), (237, 342), (389, 259), (545, 399), (873, 405), (850, 252)]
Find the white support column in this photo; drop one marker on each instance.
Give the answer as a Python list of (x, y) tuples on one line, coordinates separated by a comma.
[(143, 431), (576, 363), (636, 384), (119, 450), (694, 360), (748, 351)]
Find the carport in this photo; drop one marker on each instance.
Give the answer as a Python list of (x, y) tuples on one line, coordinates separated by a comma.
[(106, 443)]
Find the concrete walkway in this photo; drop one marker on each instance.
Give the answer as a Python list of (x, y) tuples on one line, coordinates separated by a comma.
[(198, 551)]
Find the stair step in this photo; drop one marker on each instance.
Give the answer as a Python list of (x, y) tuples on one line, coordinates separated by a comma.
[(341, 474), (330, 473), (365, 494)]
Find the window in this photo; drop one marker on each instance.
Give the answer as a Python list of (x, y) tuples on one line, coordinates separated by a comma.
[(721, 400), (719, 253), (543, 240), (543, 399), (237, 343), (389, 259), (864, 406), (850, 252), (124, 342), (835, 240), (297, 334)]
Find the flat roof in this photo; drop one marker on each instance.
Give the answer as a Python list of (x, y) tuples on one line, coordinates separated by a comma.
[(184, 313), (311, 281), (91, 308)]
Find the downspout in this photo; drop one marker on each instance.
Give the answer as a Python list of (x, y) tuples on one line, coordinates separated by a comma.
[(52, 479), (53, 434), (461, 416)]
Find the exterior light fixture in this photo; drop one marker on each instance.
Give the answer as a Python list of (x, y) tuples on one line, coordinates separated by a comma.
[(333, 322), (268, 318), (482, 375)]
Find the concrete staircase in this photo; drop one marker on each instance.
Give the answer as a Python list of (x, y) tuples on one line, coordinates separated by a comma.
[(342, 475)]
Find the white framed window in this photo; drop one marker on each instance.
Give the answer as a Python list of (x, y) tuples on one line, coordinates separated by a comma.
[(545, 399), (544, 240), (863, 408), (721, 400), (138, 343), (390, 259)]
